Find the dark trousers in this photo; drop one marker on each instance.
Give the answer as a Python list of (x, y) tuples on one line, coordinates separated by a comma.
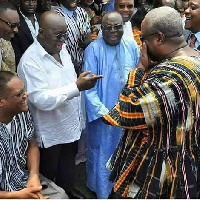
[(57, 163)]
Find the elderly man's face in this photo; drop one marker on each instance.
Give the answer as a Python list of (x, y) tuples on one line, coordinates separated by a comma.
[(28, 6), (192, 14), (69, 4), (9, 23), (112, 30), (125, 8), (54, 37)]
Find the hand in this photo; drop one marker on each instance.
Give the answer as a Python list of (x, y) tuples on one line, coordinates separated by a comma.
[(145, 61), (29, 193), (95, 20), (84, 40), (34, 181), (85, 82)]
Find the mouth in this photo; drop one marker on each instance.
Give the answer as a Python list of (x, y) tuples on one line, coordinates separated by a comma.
[(24, 102), (188, 18), (59, 47), (113, 37)]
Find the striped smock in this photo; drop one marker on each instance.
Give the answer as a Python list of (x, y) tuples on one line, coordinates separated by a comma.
[(13, 152), (159, 148)]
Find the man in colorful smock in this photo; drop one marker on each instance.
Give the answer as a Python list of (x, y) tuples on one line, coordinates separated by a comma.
[(114, 58), (158, 154)]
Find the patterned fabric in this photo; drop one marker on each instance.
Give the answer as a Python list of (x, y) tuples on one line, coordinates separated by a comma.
[(159, 148), (78, 25), (136, 34), (8, 56), (13, 152)]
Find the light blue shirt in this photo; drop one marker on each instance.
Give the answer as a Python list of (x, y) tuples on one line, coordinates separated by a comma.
[(114, 63)]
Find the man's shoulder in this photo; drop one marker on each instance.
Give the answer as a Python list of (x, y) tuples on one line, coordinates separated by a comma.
[(23, 117), (31, 53)]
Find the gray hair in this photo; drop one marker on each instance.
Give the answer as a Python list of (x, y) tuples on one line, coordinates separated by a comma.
[(166, 20)]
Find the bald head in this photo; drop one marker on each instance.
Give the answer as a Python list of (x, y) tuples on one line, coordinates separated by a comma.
[(49, 19), (52, 32), (164, 19), (110, 16)]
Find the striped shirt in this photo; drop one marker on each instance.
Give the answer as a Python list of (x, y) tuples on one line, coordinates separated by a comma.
[(77, 25), (159, 149), (13, 152)]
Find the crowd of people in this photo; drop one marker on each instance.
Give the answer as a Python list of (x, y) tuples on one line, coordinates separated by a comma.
[(112, 83)]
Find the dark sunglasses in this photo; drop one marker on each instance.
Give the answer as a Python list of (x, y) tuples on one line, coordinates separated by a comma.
[(12, 25), (60, 35), (115, 27)]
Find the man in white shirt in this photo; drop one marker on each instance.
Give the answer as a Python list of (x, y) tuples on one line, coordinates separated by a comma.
[(54, 99)]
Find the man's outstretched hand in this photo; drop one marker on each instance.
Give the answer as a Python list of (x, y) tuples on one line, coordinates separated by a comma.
[(85, 82)]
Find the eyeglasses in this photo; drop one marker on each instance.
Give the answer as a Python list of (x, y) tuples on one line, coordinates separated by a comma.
[(60, 35), (113, 28), (143, 38), (12, 25), (20, 94)]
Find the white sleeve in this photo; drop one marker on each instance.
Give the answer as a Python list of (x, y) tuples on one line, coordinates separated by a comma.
[(40, 95)]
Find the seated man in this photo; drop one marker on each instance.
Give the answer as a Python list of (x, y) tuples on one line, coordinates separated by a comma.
[(18, 147)]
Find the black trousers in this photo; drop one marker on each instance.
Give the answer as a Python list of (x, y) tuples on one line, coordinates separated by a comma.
[(57, 163)]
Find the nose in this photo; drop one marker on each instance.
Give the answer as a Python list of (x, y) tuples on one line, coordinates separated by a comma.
[(126, 9), (25, 95), (15, 30), (187, 10)]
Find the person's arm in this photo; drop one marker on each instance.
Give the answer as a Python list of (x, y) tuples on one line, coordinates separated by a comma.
[(33, 164), (45, 98), (33, 167), (129, 111), (26, 193)]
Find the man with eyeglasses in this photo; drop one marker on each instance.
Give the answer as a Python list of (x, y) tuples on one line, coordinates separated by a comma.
[(54, 99), (19, 155), (28, 29), (158, 154), (113, 56), (9, 23)]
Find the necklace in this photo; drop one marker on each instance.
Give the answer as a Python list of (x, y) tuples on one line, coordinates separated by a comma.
[(175, 51)]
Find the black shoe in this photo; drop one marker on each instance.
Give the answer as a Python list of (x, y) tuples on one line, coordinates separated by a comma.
[(76, 194)]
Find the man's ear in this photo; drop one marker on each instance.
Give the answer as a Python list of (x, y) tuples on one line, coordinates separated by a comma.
[(41, 32), (1, 102), (160, 38)]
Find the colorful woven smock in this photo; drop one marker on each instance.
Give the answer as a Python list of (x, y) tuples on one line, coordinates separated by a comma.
[(159, 149)]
